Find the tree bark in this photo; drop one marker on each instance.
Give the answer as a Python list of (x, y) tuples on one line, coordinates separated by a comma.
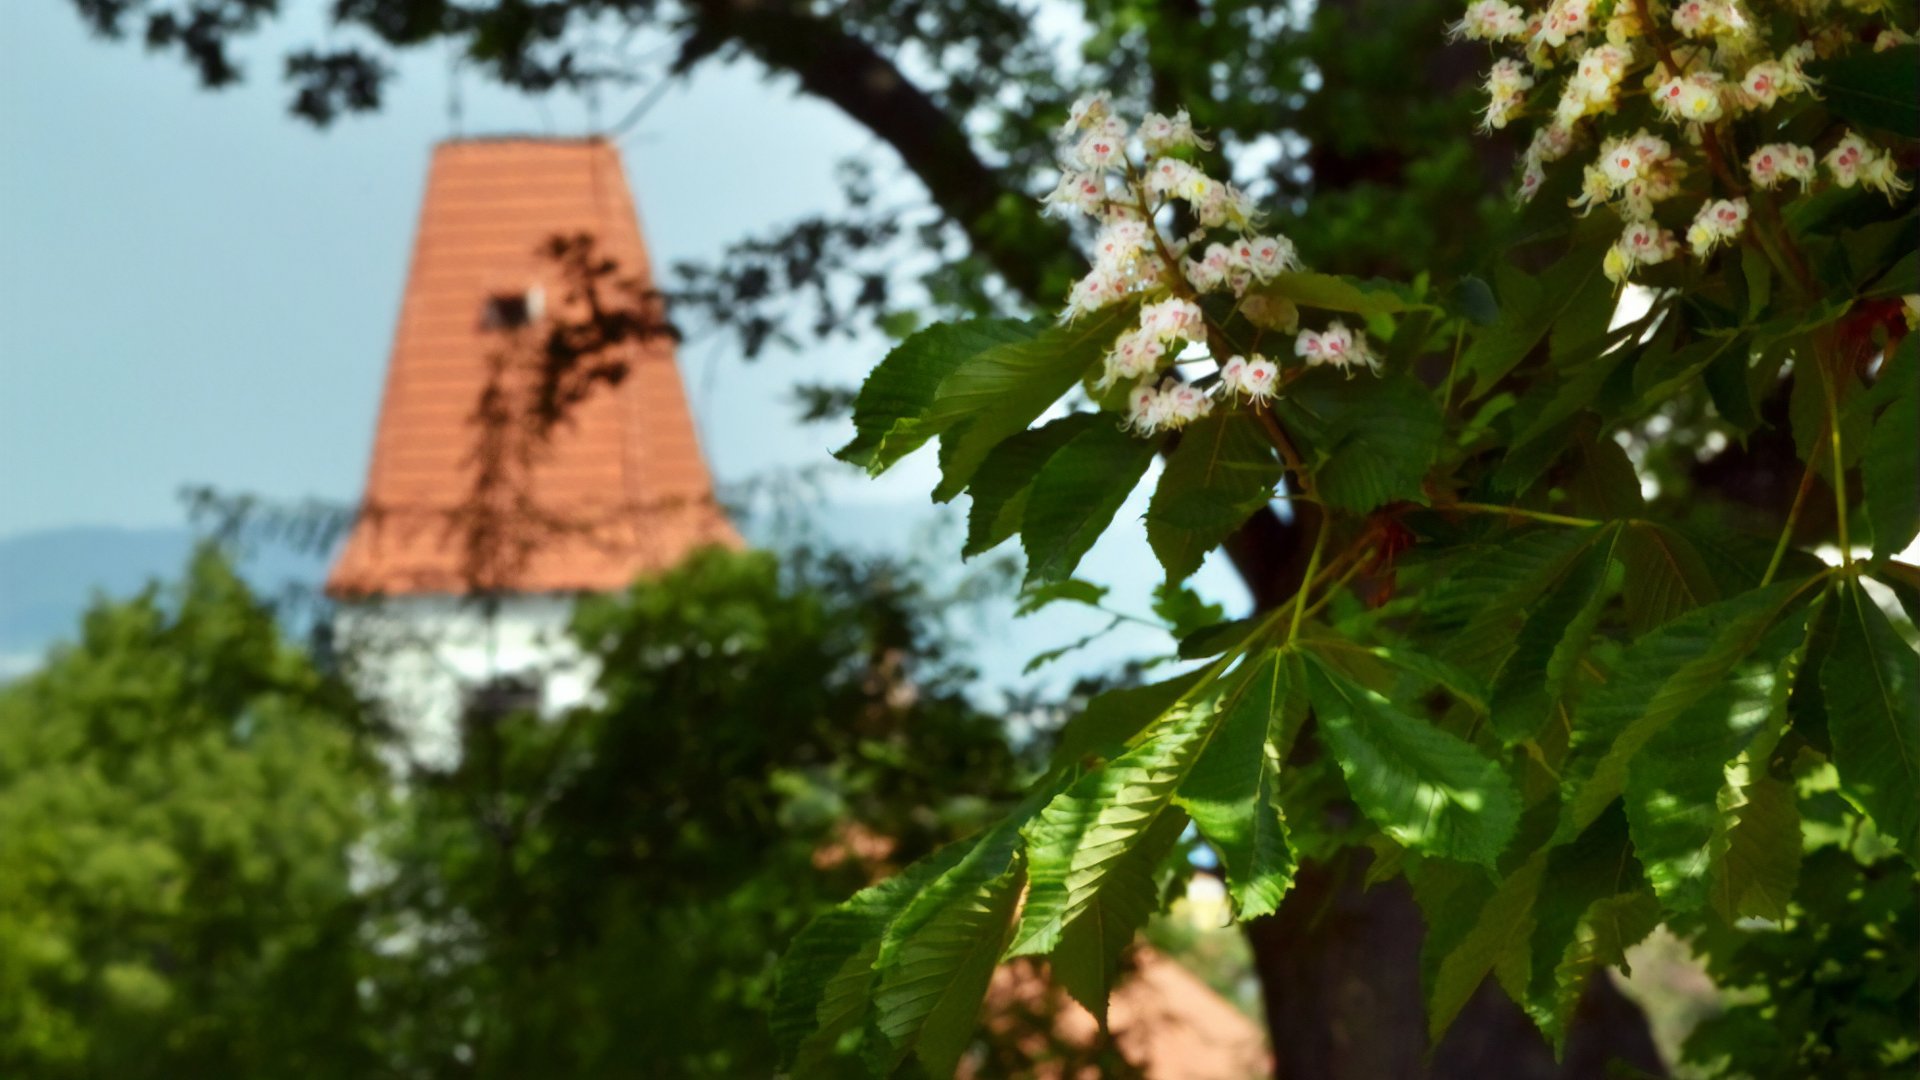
[(1340, 969)]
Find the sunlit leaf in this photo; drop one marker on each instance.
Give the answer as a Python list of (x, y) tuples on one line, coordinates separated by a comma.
[(1871, 682), (1430, 790), (1233, 792)]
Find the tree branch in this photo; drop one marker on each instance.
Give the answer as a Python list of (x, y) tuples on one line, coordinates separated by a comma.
[(1002, 222)]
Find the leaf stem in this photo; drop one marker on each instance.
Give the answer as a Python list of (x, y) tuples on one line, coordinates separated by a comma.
[(1793, 518), (1832, 387), (1333, 590), (1306, 582), (1515, 511), (1446, 391)]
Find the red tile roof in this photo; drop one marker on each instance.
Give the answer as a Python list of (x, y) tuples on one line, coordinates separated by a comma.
[(619, 487)]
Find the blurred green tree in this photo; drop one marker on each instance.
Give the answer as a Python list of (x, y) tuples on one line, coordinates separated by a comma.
[(606, 893), (180, 792), (207, 871)]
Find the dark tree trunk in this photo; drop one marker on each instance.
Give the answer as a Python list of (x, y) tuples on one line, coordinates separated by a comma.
[(1340, 971)]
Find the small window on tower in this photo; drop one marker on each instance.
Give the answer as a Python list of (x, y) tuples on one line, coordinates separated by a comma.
[(510, 311)]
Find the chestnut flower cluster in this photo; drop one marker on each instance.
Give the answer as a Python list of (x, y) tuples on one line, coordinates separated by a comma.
[(1129, 181), (1586, 70)]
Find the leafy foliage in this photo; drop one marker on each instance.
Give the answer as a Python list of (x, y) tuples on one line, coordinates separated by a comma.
[(206, 869), (179, 791), (1585, 710)]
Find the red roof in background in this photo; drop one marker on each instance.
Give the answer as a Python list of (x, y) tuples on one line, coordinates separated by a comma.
[(623, 472)]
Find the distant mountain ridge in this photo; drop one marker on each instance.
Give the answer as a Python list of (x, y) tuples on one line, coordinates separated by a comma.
[(48, 579)]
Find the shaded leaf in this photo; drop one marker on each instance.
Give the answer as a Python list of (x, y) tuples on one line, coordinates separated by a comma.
[(1674, 787), (889, 412), (1223, 470), (1373, 437), (1497, 939), (1597, 866), (1330, 292), (1890, 465), (1076, 495), (1568, 300), (1757, 874), (997, 393), (1557, 627), (1874, 89), (1666, 576), (998, 494)]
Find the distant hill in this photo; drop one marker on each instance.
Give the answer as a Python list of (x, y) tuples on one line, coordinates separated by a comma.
[(48, 579)]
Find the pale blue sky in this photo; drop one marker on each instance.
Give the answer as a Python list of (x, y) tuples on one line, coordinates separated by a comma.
[(198, 289)]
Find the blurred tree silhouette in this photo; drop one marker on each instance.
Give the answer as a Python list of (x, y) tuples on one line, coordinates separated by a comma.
[(205, 872), (584, 895), (180, 791)]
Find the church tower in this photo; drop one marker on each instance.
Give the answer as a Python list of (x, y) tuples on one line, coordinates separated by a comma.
[(534, 440)]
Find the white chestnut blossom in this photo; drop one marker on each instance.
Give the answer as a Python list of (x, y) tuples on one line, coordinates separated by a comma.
[(1718, 222), (1148, 410), (1701, 64), (1212, 270), (1767, 82), (1776, 163), (1077, 192), (1638, 171), (1507, 86), (1565, 19), (1892, 38), (1594, 86), (1253, 378), (1490, 20), (1173, 319), (1093, 292), (1087, 112), (1160, 134), (1100, 150), (1186, 403), (1167, 177), (1135, 354), (1152, 409), (1854, 160), (1722, 19), (1642, 244), (1338, 346), (1698, 98)]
